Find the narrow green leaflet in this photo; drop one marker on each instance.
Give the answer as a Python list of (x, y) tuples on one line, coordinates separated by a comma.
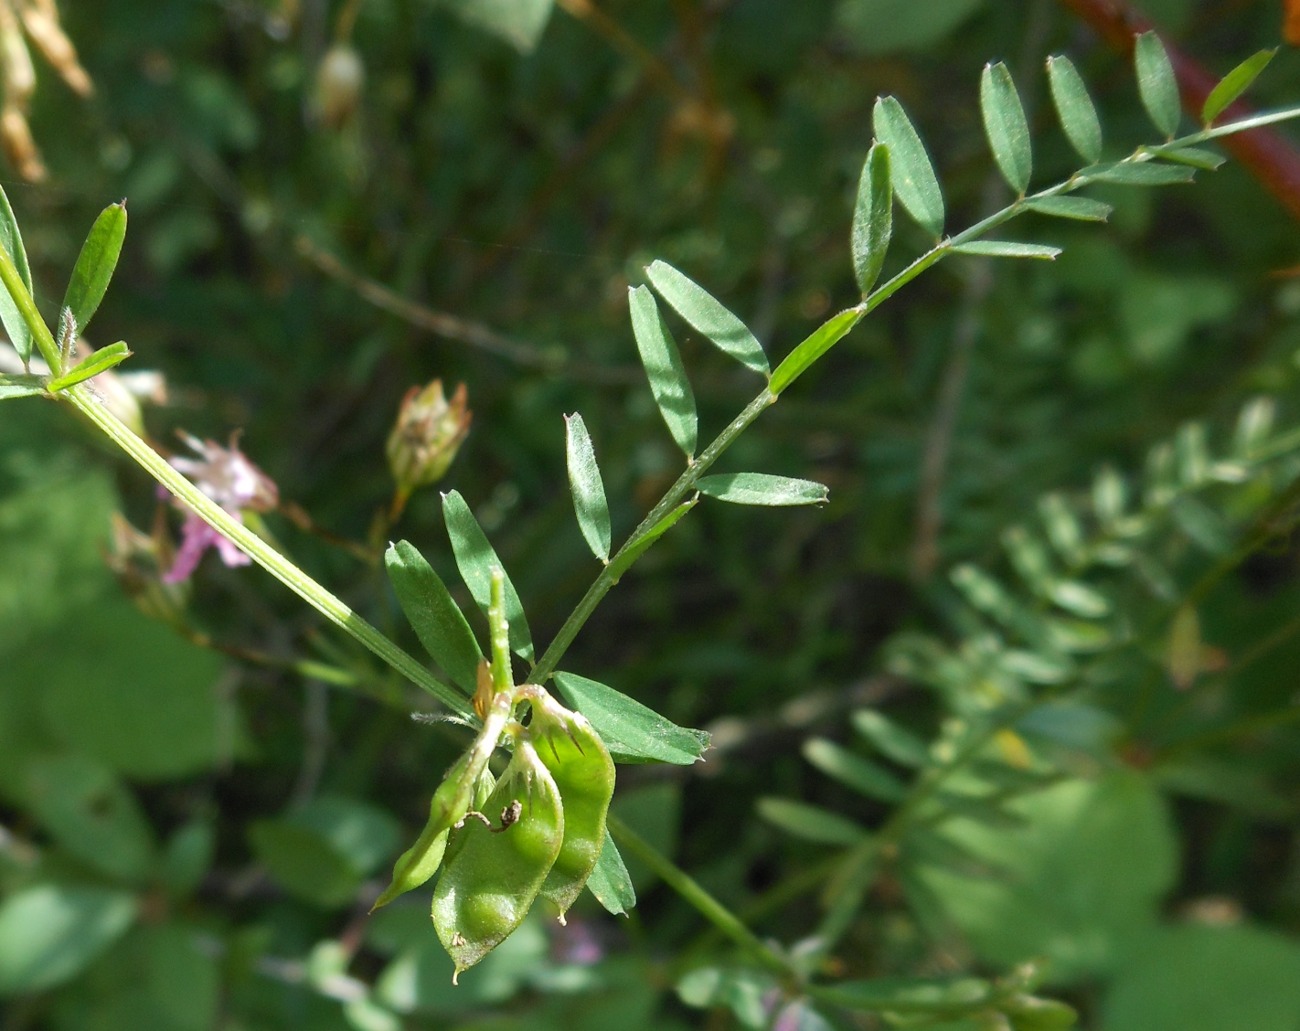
[(10, 317), (663, 367), (873, 218), (1197, 157), (92, 365), (1082, 209), (19, 385), (911, 169), (633, 732), (810, 822), (475, 558), (433, 614), (1234, 84), (610, 882), (1156, 83), (1005, 126), (707, 315), (821, 340), (1007, 249), (587, 487), (1146, 173), (762, 489), (1074, 107), (1080, 599), (853, 771), (623, 561), (95, 264)]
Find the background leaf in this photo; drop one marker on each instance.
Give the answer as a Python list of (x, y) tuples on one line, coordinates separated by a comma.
[(518, 22), (50, 933)]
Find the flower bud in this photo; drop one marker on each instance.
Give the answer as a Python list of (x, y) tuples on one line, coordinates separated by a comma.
[(426, 437), (340, 77)]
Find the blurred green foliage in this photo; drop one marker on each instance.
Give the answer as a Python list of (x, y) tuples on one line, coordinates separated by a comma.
[(191, 830)]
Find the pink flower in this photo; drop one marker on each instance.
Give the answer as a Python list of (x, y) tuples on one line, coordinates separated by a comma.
[(233, 482)]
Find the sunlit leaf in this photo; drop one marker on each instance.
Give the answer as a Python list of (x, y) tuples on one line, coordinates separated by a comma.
[(630, 554), (10, 317), (704, 312), (812, 347), (1005, 125), (475, 558), (1234, 84), (873, 218), (1196, 157), (518, 22), (1145, 173), (1007, 249), (1074, 107), (1156, 83), (663, 366), (762, 489), (90, 366), (609, 881), (433, 614), (587, 487), (911, 170), (95, 265), (632, 731), (1083, 209)]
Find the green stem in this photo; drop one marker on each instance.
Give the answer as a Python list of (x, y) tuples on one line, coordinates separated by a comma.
[(13, 282), (691, 892), (327, 604), (610, 574)]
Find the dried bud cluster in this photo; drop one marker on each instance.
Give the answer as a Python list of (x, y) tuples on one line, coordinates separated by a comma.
[(36, 21), (426, 437)]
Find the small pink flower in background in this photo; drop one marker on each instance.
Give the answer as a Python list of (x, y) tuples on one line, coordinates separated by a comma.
[(233, 482)]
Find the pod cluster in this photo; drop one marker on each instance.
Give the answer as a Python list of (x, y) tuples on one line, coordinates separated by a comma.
[(502, 844)]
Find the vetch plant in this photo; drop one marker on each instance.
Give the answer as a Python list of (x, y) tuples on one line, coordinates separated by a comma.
[(541, 829)]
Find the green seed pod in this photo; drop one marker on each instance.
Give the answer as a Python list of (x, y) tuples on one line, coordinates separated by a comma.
[(584, 773), (493, 874), (465, 784)]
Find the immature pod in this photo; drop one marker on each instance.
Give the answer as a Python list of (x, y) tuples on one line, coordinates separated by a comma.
[(584, 773), (493, 873), (464, 785)]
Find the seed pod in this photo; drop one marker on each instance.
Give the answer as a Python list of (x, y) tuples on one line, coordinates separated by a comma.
[(493, 874), (465, 784), (584, 773)]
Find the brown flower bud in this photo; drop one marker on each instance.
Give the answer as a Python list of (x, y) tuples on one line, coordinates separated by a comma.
[(42, 25), (19, 147), (426, 437)]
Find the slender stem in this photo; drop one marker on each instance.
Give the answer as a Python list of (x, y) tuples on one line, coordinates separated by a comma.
[(327, 604), (18, 291), (690, 890), (609, 575)]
